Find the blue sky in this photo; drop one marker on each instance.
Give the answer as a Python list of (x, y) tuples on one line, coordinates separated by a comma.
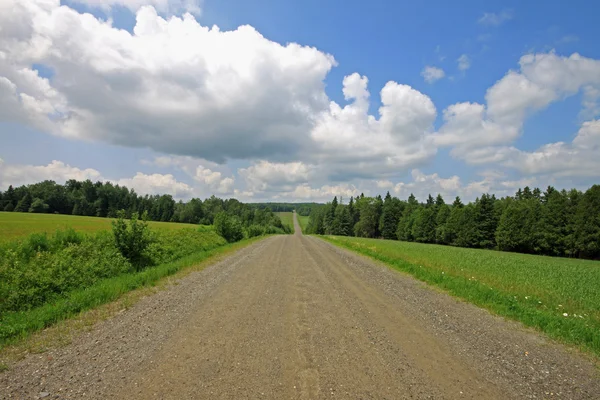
[(165, 108)]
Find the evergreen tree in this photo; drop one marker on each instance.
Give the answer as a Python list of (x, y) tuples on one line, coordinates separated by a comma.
[(457, 202), (9, 207), (518, 226), (344, 223), (430, 201), (554, 222), (571, 246), (378, 204), (486, 222), (368, 224), (440, 220), (405, 224), (587, 224), (10, 196), (439, 201), (467, 234), (389, 217), (424, 226)]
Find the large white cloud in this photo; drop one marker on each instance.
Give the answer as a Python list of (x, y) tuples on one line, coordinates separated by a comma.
[(173, 85), (353, 143), (204, 96)]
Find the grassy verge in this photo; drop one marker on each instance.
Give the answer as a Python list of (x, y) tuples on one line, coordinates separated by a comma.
[(287, 218), (558, 296), (303, 221), (15, 326)]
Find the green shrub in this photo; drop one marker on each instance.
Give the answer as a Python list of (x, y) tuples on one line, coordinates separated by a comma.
[(229, 227), (172, 245), (255, 230), (273, 230), (9, 207), (58, 265), (38, 206), (63, 238), (133, 239), (36, 242)]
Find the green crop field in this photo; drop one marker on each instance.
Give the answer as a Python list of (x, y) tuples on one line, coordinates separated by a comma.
[(303, 221), (556, 295), (15, 225), (287, 218)]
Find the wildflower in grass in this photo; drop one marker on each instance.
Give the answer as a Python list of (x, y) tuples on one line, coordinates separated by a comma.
[(565, 315)]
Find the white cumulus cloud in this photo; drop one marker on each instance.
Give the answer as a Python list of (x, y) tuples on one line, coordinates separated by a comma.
[(479, 133), (172, 85), (58, 171)]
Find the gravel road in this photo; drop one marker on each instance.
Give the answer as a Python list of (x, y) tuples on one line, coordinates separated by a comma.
[(293, 317)]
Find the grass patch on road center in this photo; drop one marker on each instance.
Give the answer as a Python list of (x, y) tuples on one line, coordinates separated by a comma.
[(303, 221), (287, 218), (558, 296)]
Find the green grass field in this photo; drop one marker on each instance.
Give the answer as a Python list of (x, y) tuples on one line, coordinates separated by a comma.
[(18, 225), (287, 218), (559, 296), (303, 221)]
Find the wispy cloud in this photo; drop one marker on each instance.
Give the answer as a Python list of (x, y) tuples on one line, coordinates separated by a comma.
[(568, 39), (495, 19), (432, 74), (464, 62)]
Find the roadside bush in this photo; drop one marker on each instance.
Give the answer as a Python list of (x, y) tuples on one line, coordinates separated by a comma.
[(42, 269), (133, 238), (273, 230), (229, 227), (255, 230), (174, 244)]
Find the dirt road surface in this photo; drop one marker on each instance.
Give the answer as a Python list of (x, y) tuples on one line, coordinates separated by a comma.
[(292, 317)]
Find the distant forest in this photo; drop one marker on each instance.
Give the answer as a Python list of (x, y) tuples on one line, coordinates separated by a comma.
[(103, 199), (301, 208), (553, 222)]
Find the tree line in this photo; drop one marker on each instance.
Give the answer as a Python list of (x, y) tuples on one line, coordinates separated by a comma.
[(104, 199), (554, 222), (301, 208)]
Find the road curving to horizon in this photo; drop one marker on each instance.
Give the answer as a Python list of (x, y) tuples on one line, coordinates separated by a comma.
[(294, 317)]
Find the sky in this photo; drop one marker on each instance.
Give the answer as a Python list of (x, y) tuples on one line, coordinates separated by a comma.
[(301, 101)]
